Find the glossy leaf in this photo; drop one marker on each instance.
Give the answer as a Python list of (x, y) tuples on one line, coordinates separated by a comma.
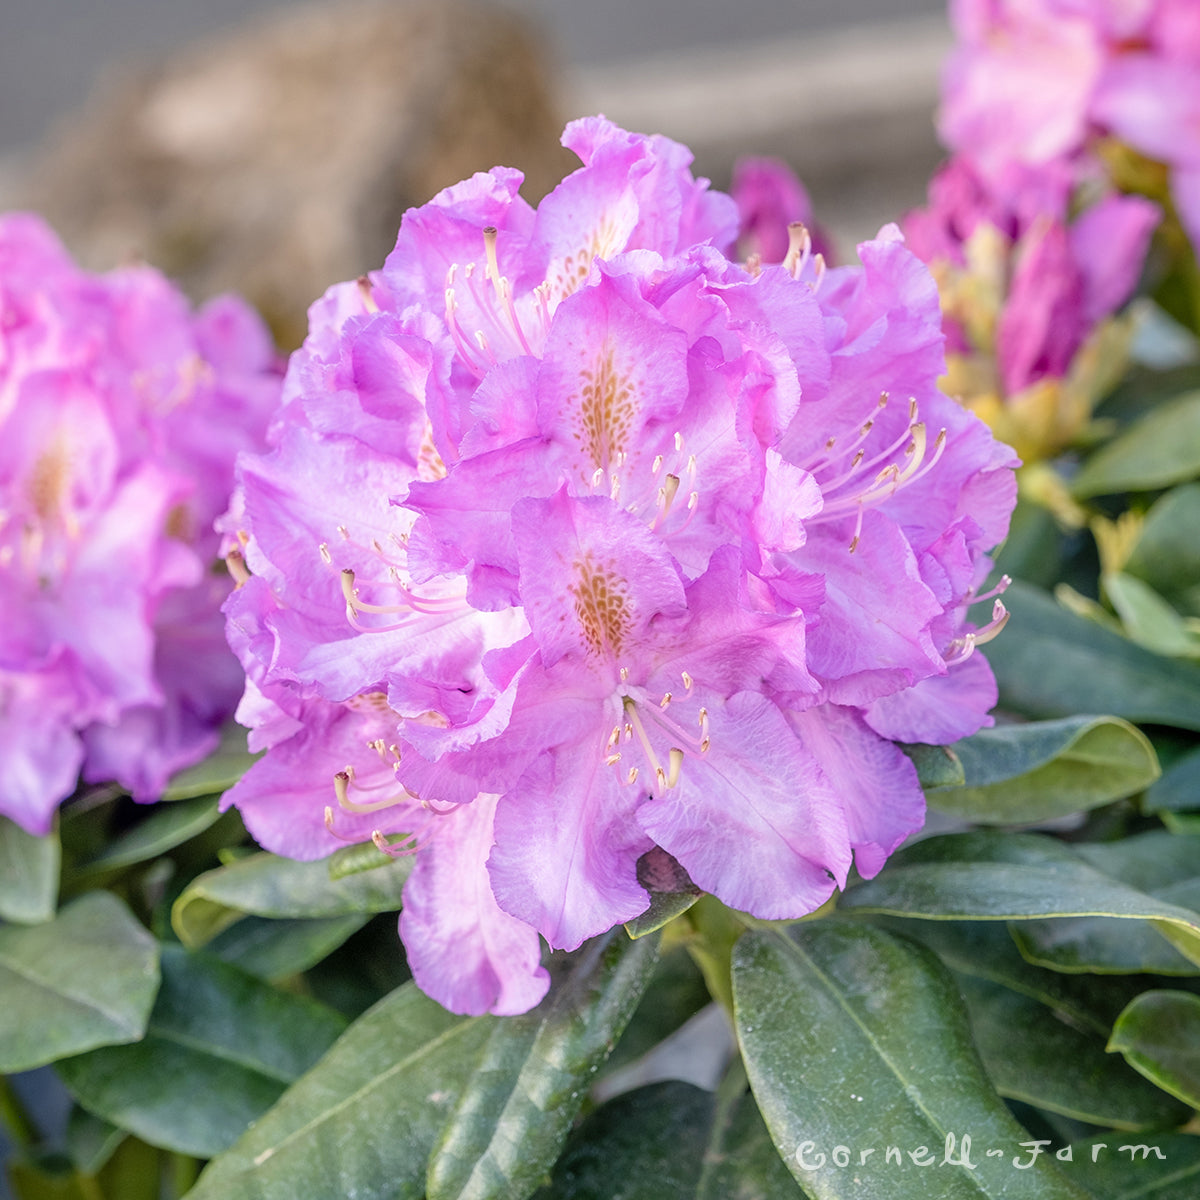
[(672, 1141), (997, 876), (363, 1121), (165, 828), (1100, 945), (1052, 663), (986, 950), (1161, 1166), (28, 874), (1057, 1067), (1160, 449), (1157, 863), (221, 1047), (855, 1041), (675, 994), (85, 979), (218, 772), (1046, 769), (268, 886), (274, 948), (513, 1117), (1159, 1035)]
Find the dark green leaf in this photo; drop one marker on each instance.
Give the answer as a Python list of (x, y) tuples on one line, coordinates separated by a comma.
[(676, 993), (1148, 618), (998, 876), (644, 1145), (513, 1117), (1179, 787), (1150, 861), (1160, 449), (28, 874), (85, 979), (218, 772), (1167, 554), (1162, 1166), (986, 950), (1096, 944), (221, 1047), (1159, 1034), (857, 1041), (165, 828), (363, 1121), (274, 948), (937, 766), (268, 886), (672, 1141), (1046, 769), (91, 1141), (1051, 663), (1034, 548), (1034, 1057)]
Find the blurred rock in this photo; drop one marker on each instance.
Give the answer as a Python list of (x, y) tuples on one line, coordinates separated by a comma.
[(278, 160)]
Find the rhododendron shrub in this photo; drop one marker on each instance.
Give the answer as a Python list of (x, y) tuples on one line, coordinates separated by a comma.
[(580, 545), (121, 413)]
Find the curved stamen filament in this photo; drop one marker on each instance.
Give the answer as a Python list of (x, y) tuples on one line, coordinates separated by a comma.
[(962, 648), (343, 781)]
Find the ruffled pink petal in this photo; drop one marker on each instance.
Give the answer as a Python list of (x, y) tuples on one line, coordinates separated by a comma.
[(753, 821), (465, 951)]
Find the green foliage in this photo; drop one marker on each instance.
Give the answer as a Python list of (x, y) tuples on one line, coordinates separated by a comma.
[(28, 874), (88, 978), (220, 1048), (856, 1039), (531, 1080), (363, 1121), (1047, 769)]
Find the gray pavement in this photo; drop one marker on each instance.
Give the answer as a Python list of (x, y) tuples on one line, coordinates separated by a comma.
[(52, 51)]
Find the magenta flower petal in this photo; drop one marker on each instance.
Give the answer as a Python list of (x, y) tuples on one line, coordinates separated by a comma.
[(465, 951), (567, 845), (759, 791), (861, 768)]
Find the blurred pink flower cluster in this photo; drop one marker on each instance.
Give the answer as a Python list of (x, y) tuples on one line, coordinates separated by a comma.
[(120, 417), (1035, 81), (580, 546)]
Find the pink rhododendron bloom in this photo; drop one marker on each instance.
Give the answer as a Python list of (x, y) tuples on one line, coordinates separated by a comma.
[(1028, 290), (120, 417), (580, 544), (1035, 81)]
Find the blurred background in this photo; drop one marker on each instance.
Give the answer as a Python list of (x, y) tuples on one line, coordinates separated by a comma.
[(272, 148)]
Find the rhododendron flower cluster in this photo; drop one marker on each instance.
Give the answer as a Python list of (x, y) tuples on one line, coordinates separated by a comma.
[(1029, 292), (120, 417), (1035, 81), (580, 546)]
